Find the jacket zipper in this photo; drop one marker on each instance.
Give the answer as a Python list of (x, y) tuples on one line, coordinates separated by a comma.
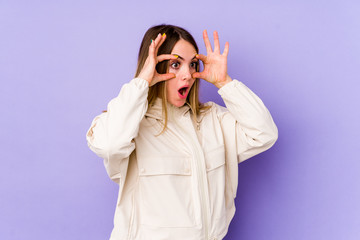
[(204, 201)]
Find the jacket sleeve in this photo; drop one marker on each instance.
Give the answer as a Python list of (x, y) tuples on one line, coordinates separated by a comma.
[(111, 133), (245, 120)]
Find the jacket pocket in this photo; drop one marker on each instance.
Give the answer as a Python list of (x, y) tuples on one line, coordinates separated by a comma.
[(215, 167), (215, 158), (166, 198)]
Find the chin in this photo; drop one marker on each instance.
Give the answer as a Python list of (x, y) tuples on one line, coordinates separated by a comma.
[(178, 103)]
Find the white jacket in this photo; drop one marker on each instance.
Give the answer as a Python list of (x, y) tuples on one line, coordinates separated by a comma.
[(180, 184)]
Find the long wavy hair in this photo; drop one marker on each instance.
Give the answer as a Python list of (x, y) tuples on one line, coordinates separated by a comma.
[(173, 35)]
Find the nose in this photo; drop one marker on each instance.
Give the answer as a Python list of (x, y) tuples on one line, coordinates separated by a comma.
[(186, 74)]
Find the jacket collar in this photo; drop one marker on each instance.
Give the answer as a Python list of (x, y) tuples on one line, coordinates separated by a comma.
[(155, 110)]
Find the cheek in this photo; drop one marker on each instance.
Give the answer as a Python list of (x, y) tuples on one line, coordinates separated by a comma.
[(170, 84), (172, 70)]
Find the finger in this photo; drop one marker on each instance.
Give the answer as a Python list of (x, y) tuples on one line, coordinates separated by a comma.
[(226, 49), (207, 42), (163, 57), (216, 43), (156, 40), (198, 75), (201, 57), (151, 49), (163, 77), (162, 40)]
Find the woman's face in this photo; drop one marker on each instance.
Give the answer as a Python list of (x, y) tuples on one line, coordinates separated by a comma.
[(184, 66)]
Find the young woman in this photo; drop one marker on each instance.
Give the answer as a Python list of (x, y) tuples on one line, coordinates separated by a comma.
[(175, 159)]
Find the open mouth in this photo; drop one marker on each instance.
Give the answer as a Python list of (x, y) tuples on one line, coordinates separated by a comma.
[(183, 92)]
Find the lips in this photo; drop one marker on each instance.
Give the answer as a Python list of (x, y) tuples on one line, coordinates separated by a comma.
[(183, 91)]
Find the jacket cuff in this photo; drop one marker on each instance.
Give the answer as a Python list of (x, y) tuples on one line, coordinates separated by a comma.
[(140, 83), (227, 88)]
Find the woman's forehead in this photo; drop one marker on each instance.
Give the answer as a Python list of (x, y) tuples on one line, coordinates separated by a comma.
[(184, 50)]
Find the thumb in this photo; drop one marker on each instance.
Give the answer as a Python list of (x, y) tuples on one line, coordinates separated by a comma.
[(198, 75), (165, 76), (162, 77)]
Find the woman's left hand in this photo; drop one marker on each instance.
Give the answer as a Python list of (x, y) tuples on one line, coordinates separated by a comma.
[(215, 63)]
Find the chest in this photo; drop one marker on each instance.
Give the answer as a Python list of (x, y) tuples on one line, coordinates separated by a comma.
[(172, 150)]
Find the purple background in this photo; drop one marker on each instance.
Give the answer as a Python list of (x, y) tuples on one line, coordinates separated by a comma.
[(61, 62)]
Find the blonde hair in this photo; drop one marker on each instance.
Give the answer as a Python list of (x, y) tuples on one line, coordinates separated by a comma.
[(173, 35)]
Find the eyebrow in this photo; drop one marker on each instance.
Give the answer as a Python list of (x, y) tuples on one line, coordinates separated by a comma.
[(182, 57)]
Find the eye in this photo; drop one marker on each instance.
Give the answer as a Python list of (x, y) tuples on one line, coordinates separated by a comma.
[(175, 65), (194, 64)]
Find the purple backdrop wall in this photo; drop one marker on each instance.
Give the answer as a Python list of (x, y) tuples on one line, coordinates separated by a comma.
[(61, 62)]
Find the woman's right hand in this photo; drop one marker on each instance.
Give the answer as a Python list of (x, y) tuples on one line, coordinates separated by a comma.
[(148, 72)]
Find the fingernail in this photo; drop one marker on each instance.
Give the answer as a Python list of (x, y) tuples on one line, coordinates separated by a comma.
[(176, 55), (164, 34)]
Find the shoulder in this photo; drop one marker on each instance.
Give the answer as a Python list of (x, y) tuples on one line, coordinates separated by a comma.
[(214, 106)]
